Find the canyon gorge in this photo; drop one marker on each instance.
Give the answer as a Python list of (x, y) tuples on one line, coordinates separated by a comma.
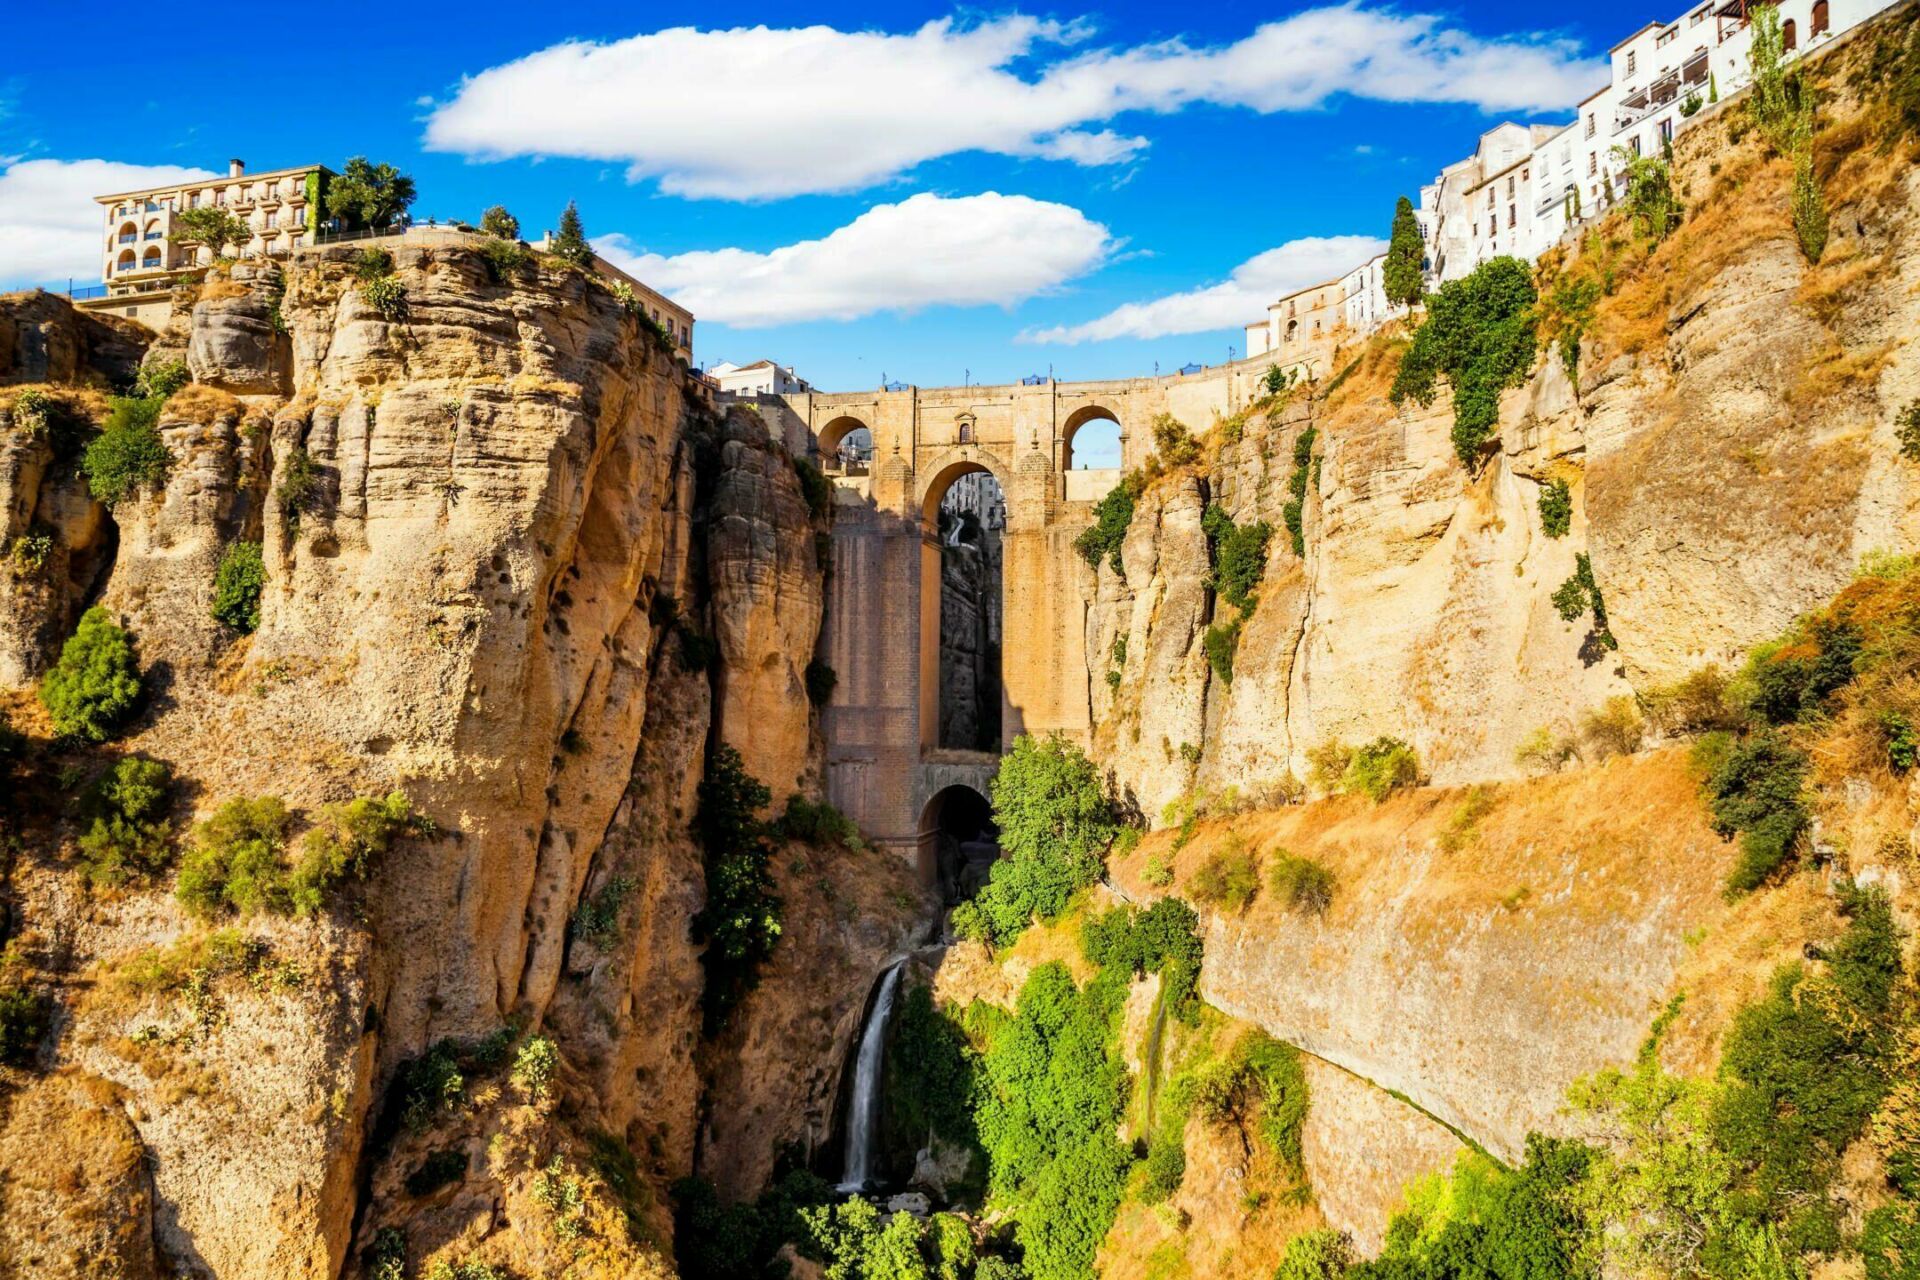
[(481, 805)]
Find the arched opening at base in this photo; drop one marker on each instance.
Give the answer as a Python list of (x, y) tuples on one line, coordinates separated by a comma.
[(959, 841)]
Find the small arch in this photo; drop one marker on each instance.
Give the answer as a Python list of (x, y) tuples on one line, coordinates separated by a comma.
[(125, 262), (1090, 439), (151, 258), (962, 841), (845, 434), (1822, 18), (945, 472), (1789, 36), (153, 227)]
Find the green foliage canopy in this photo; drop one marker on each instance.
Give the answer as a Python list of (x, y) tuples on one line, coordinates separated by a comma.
[(1480, 335)]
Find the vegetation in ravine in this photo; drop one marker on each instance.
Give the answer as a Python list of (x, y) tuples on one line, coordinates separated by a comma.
[(741, 920), (95, 685), (1480, 335), (236, 864), (1055, 824), (128, 455)]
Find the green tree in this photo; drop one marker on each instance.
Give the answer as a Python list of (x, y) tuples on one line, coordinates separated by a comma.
[(236, 587), (94, 686), (496, 221), (211, 227), (369, 195), (570, 241), (129, 453), (1055, 824), (1480, 334), (234, 864), (1650, 201), (740, 922), (1402, 274), (129, 834)]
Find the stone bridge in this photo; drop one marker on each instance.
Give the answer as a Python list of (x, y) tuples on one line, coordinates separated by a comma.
[(885, 767)]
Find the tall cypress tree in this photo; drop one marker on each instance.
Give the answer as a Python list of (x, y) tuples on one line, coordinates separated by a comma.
[(1401, 274), (570, 241)]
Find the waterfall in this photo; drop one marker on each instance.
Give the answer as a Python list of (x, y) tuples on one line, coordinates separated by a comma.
[(863, 1108)]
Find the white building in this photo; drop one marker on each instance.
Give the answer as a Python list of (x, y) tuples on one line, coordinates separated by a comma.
[(761, 378), (1525, 186)]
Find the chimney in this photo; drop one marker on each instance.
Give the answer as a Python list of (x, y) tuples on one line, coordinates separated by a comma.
[(236, 167)]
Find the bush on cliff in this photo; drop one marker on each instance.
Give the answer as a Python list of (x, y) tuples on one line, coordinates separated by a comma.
[(237, 585), (95, 685), (1480, 335), (345, 844), (234, 864), (740, 922), (1111, 516), (128, 454), (1381, 767), (1228, 879), (1238, 556), (128, 833), (1753, 788), (1055, 824)]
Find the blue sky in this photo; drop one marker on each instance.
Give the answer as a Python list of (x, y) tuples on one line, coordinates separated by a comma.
[(1000, 193)]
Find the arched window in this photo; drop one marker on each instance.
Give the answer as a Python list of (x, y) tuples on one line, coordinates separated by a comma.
[(125, 262), (151, 259), (1789, 36), (966, 431), (1821, 19)]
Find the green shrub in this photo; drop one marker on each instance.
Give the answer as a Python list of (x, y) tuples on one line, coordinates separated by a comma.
[(1220, 642), (1580, 594), (1111, 516), (128, 454), (1696, 703), (715, 1241), (1163, 939), (33, 413), (29, 553), (25, 1014), (1158, 873), (161, 378), (466, 1269), (237, 585), (1809, 208), (1265, 1071), (1238, 556), (372, 263), (95, 685), (1907, 428), (597, 919), (1616, 728), (1321, 1254), (386, 295), (1804, 1068), (1903, 743), (299, 488), (234, 864), (505, 258), (740, 922), (1479, 334), (1790, 679), (1055, 824), (1294, 512), (344, 845), (496, 221), (1382, 767), (817, 823), (1173, 443), (1556, 508), (821, 681), (534, 1066), (1753, 789), (1228, 879), (1304, 884), (1650, 201), (1051, 1105), (128, 833), (932, 1074), (1890, 1242), (386, 1257)]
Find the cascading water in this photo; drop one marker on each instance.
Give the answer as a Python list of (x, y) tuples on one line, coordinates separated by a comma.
[(863, 1107)]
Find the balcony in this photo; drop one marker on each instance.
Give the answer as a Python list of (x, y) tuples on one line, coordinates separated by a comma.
[(128, 237), (155, 235)]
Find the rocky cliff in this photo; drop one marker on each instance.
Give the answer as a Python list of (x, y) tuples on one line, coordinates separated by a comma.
[(514, 568)]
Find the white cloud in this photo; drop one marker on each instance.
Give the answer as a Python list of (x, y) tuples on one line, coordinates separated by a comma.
[(50, 228), (984, 250), (757, 112), (1236, 301)]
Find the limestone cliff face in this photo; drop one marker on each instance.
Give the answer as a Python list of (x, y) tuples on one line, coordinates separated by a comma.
[(470, 508), (1730, 453)]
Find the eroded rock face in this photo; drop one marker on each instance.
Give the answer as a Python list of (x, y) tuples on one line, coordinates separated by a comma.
[(1361, 1146), (467, 510), (43, 339), (79, 1203)]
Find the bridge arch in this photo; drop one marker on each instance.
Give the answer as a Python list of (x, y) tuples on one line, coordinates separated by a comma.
[(1092, 417), (962, 695), (959, 841), (842, 432)]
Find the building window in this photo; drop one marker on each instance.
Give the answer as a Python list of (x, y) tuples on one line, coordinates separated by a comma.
[(1513, 218), (1509, 186), (1591, 124), (193, 200), (300, 216), (1632, 60), (1821, 18), (1593, 164), (1633, 144), (1493, 225), (1666, 37), (1789, 36), (1666, 132), (1699, 16)]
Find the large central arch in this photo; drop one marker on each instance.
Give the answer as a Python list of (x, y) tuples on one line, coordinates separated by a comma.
[(933, 552)]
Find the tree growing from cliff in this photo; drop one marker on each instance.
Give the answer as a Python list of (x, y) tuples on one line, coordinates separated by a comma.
[(1480, 334), (1402, 275), (369, 195), (95, 685), (1055, 824), (129, 834), (496, 221), (741, 920), (129, 453), (237, 585), (570, 241), (211, 227)]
